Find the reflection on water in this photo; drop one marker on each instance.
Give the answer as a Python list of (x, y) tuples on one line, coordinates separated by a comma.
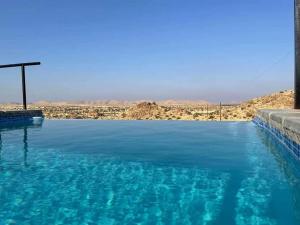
[(19, 127), (25, 141), (0, 147), (287, 164), (254, 195)]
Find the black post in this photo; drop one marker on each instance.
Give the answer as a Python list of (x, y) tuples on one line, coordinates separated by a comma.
[(297, 55), (207, 111), (24, 87), (22, 65), (220, 111)]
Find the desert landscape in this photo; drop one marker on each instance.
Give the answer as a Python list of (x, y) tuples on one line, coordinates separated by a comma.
[(160, 110)]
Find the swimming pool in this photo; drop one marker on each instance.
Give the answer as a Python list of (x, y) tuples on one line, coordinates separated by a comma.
[(146, 172)]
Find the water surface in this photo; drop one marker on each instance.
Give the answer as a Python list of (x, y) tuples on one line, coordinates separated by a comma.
[(146, 172)]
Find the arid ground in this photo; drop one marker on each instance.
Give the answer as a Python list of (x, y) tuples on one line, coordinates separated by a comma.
[(162, 110)]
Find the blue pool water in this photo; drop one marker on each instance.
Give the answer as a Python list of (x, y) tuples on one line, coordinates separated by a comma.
[(146, 172)]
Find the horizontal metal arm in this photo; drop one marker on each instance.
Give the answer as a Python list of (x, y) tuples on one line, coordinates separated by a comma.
[(20, 64)]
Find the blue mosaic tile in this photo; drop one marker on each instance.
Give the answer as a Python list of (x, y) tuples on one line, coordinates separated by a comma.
[(291, 145)]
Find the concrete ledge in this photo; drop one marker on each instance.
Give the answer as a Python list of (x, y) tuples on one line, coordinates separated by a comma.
[(281, 119), (284, 125), (293, 124), (266, 114)]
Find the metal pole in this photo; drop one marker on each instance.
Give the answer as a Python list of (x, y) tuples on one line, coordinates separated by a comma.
[(207, 111), (297, 54), (24, 87), (220, 111)]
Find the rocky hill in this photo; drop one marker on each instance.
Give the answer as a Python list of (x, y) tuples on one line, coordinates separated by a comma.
[(279, 100), (153, 111), (161, 110), (247, 110), (240, 112)]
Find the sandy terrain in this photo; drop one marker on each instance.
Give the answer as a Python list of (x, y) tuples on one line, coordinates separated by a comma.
[(162, 110)]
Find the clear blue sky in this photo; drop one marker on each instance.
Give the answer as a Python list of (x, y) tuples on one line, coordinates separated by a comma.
[(147, 49)]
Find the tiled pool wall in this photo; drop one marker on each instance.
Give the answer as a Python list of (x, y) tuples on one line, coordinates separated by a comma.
[(284, 136), (19, 116)]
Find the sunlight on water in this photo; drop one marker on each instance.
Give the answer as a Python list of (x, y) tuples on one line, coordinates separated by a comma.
[(145, 173), (107, 190)]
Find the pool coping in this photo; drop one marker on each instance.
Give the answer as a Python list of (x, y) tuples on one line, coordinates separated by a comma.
[(284, 125)]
